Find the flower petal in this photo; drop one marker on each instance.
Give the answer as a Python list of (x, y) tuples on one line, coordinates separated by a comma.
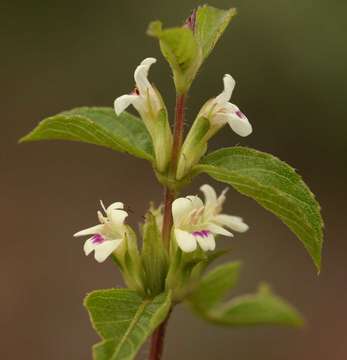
[(239, 122), (196, 201), (122, 102), (114, 206), (117, 216), (104, 250), (233, 222), (181, 207), (88, 246), (206, 242), (90, 231), (210, 195), (141, 75), (218, 230), (185, 240), (229, 85)]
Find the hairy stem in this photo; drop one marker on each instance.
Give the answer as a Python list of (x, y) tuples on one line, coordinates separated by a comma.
[(157, 339)]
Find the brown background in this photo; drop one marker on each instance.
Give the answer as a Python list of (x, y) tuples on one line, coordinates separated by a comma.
[(288, 57)]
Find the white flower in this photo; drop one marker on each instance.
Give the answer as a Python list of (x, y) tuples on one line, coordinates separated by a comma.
[(220, 111), (196, 222), (108, 235), (149, 104), (144, 98)]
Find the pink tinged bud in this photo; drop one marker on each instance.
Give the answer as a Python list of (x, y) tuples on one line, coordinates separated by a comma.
[(191, 21)]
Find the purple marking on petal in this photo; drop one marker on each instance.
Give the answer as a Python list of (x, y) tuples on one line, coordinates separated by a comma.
[(98, 239), (202, 233), (206, 233), (240, 114)]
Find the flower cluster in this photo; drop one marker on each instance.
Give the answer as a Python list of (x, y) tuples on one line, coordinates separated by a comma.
[(195, 223), (148, 102)]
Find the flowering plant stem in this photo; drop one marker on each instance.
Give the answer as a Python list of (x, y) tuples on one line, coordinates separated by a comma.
[(170, 194), (157, 339)]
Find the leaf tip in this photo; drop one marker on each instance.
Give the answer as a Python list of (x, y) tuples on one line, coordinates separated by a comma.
[(25, 138)]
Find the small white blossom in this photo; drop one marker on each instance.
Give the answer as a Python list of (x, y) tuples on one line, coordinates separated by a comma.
[(148, 102), (144, 97), (220, 111), (196, 222), (108, 235)]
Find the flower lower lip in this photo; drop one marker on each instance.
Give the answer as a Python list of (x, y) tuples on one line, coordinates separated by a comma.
[(98, 239), (240, 114), (202, 233)]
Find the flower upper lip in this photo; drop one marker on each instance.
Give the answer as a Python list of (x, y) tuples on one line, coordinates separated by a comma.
[(220, 111), (144, 97)]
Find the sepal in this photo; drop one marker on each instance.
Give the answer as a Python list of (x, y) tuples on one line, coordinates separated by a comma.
[(194, 146), (128, 259), (154, 257), (162, 140)]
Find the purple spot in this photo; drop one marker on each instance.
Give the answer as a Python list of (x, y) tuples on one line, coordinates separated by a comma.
[(136, 91), (239, 114), (98, 239), (202, 233)]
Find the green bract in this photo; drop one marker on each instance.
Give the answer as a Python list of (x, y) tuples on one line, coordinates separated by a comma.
[(181, 51), (210, 24), (186, 48)]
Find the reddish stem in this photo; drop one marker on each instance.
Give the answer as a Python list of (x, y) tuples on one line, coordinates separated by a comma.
[(178, 132), (157, 339), (170, 195)]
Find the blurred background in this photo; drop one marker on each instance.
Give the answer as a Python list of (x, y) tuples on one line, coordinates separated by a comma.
[(289, 60)]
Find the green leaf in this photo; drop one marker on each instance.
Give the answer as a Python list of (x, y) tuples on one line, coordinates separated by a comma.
[(262, 308), (154, 258), (210, 25), (124, 320), (214, 286), (99, 126), (180, 49), (274, 185)]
